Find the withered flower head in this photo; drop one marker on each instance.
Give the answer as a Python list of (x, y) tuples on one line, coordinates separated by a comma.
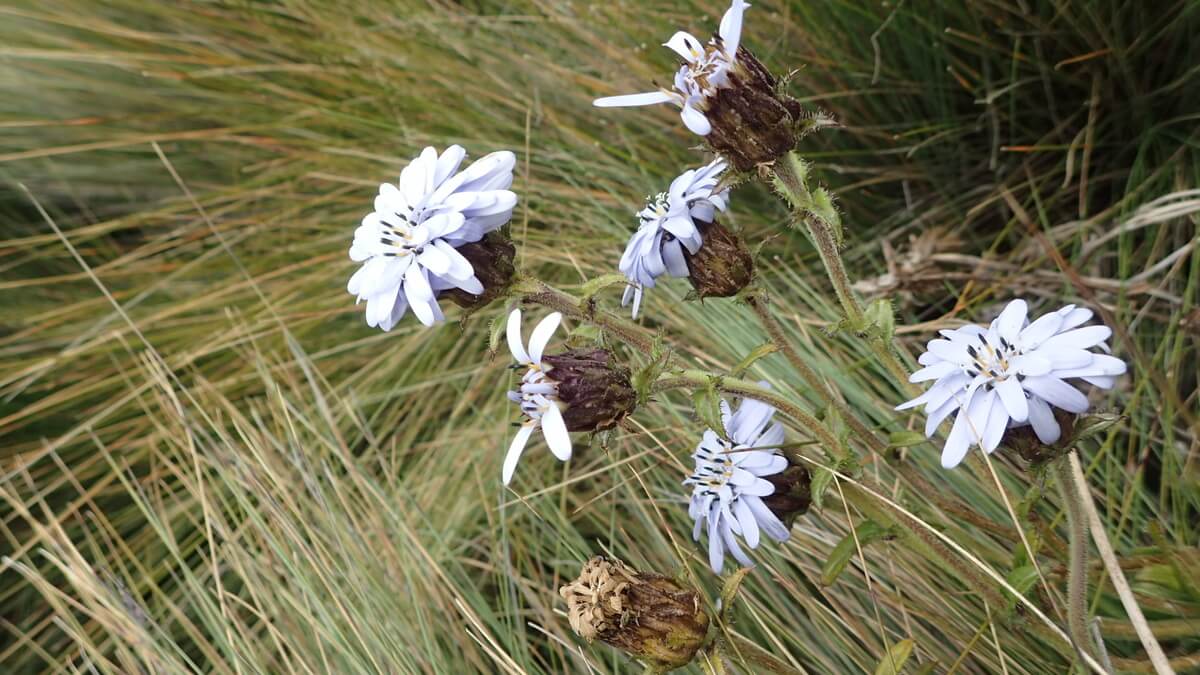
[(649, 616), (723, 266)]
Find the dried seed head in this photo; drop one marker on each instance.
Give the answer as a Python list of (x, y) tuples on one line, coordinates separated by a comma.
[(492, 258), (722, 266), (649, 616), (596, 390)]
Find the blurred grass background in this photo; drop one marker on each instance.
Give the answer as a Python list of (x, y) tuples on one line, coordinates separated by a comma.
[(227, 471)]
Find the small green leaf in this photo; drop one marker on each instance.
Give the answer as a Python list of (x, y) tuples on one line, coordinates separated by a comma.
[(867, 532), (880, 320), (893, 661), (729, 591), (820, 483), (821, 206), (644, 378), (594, 286), (707, 403), (905, 439), (584, 335), (496, 329), (1094, 424), (760, 351)]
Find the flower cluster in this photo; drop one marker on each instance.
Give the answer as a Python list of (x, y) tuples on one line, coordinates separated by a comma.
[(410, 244), (1010, 374), (439, 233)]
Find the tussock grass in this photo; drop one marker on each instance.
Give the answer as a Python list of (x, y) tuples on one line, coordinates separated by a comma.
[(231, 473)]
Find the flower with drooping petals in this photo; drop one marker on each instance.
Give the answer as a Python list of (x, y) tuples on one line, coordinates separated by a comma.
[(576, 390), (729, 97), (1010, 374), (669, 228), (705, 69), (409, 244), (729, 482), (537, 395)]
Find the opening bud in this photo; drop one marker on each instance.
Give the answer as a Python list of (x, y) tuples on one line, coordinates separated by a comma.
[(492, 258), (722, 266), (596, 391), (649, 616)]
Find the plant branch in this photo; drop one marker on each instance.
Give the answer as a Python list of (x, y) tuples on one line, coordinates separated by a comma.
[(1077, 568), (543, 294)]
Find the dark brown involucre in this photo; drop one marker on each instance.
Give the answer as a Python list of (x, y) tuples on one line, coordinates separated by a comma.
[(723, 266), (792, 496), (597, 391), (752, 123), (492, 258)]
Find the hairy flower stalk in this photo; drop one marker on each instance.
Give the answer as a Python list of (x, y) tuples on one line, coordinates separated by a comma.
[(727, 96), (649, 616), (578, 390)]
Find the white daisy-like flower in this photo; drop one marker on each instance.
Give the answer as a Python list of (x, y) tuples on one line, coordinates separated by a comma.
[(668, 226), (537, 395), (728, 483), (1010, 374), (705, 69), (408, 243)]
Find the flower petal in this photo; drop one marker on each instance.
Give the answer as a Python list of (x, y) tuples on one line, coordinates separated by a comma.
[(1013, 397), (1010, 321), (731, 27), (748, 522), (1080, 338), (542, 334), (514, 452), (629, 100), (686, 46), (767, 520), (1041, 418), (515, 343), (1057, 393), (555, 431), (695, 120)]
